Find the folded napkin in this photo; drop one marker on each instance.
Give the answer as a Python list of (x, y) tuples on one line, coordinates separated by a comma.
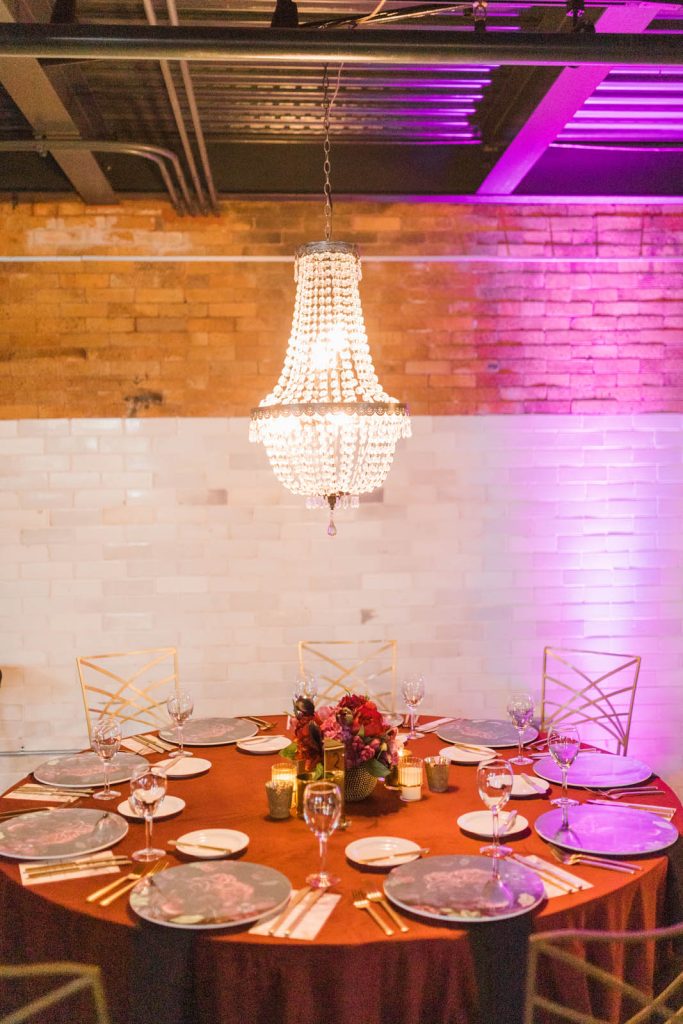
[(138, 746), (433, 726), (30, 791), (549, 869), (309, 924), (105, 868)]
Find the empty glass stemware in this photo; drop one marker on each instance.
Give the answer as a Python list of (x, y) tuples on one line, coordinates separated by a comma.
[(413, 690), (147, 790), (105, 741), (564, 745), (494, 781), (180, 707), (521, 710), (306, 686), (322, 812)]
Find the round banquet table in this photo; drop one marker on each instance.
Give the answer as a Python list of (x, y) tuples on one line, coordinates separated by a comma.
[(351, 973)]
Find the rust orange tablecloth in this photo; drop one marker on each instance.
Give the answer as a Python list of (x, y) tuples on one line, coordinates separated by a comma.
[(351, 974)]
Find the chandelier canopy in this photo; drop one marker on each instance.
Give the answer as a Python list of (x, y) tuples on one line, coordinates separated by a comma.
[(328, 428)]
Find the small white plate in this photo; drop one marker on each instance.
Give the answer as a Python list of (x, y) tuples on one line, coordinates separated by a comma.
[(184, 767), (458, 755), (362, 850), (522, 788), (263, 744), (480, 823), (227, 838), (168, 806)]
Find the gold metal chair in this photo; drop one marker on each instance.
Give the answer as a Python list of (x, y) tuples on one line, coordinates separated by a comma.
[(132, 686), (597, 977), (363, 666), (71, 979), (592, 690)]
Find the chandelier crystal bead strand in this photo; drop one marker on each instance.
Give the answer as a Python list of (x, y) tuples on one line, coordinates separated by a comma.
[(328, 427)]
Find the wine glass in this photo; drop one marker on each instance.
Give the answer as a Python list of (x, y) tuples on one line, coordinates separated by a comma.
[(322, 812), (494, 781), (147, 790), (105, 741), (564, 745), (180, 707), (306, 686), (413, 690), (521, 710)]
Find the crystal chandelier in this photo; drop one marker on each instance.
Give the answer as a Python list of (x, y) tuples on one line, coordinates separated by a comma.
[(328, 427)]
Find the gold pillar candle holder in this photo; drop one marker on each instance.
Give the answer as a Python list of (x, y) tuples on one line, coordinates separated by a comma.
[(284, 773), (279, 799), (410, 778), (437, 773)]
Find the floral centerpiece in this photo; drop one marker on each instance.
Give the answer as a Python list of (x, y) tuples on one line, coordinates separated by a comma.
[(369, 742)]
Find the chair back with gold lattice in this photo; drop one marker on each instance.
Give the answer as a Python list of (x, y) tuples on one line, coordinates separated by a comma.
[(592, 690), (132, 686), (597, 977), (363, 666), (79, 986)]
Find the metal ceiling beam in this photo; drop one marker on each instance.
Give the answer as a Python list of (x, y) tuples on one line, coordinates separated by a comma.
[(362, 46), (566, 95), (35, 96)]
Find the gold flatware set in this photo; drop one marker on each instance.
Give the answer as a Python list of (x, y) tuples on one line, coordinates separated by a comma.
[(368, 901), (109, 893)]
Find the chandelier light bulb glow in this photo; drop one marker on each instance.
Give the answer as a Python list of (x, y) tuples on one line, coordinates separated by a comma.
[(328, 427)]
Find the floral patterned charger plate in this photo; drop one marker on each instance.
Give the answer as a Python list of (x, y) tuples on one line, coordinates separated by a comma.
[(212, 732), (62, 832), (76, 770), (462, 889), (489, 732), (211, 894)]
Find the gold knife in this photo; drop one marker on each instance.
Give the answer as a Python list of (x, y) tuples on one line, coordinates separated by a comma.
[(317, 893), (291, 904), (547, 874), (56, 869), (390, 856)]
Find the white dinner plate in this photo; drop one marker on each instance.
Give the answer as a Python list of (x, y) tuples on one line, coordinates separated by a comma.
[(263, 744), (184, 767), (226, 838), (168, 806), (362, 850), (458, 755), (480, 823), (615, 831), (597, 770)]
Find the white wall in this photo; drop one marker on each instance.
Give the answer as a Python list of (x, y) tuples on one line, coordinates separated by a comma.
[(494, 536)]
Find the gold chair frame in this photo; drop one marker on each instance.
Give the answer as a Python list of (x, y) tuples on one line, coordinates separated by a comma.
[(81, 978), (341, 675), (127, 700), (547, 951), (592, 701)]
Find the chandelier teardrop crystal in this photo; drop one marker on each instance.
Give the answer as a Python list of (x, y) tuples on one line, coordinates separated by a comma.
[(328, 427)]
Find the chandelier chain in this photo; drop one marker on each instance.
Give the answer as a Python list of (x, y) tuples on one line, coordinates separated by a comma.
[(328, 103)]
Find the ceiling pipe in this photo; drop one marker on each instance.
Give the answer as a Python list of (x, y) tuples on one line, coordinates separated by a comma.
[(156, 154), (360, 46), (172, 94), (194, 115)]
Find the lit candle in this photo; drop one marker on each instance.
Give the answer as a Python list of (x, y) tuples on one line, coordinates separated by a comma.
[(284, 773), (410, 778)]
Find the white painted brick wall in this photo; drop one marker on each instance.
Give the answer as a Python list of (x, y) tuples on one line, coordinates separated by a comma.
[(495, 536)]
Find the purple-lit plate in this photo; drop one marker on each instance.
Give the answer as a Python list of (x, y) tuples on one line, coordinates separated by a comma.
[(484, 732), (615, 831), (599, 771), (60, 832), (461, 889), (212, 732), (77, 770), (211, 894)]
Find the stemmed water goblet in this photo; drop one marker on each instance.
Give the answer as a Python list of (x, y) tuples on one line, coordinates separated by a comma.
[(105, 741), (520, 708), (147, 790), (564, 745), (413, 690), (494, 781), (180, 707), (306, 686), (322, 813)]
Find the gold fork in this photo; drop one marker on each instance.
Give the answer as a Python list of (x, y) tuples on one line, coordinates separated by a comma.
[(361, 901), (595, 862), (378, 897), (155, 869), (133, 876)]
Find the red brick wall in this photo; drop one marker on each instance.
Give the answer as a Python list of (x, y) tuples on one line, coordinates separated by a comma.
[(542, 308)]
